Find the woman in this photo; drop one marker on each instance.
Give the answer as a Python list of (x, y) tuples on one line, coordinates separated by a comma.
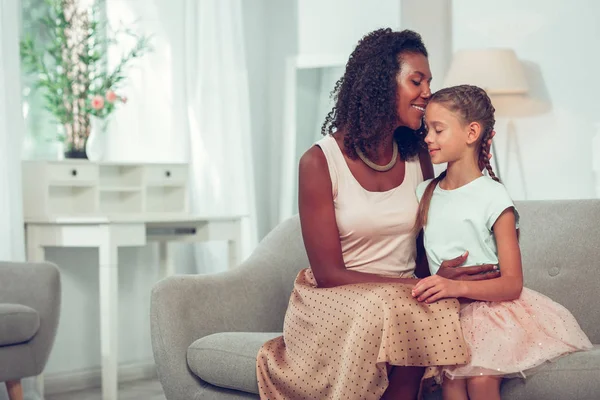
[(352, 329)]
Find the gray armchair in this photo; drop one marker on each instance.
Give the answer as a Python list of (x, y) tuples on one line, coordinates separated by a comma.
[(29, 313), (207, 329)]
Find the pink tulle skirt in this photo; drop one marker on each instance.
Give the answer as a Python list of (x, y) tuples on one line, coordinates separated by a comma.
[(512, 338)]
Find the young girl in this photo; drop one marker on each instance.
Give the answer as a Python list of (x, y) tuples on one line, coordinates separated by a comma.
[(509, 329)]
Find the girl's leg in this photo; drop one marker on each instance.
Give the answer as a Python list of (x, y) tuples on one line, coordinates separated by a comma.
[(454, 389), (484, 387), (404, 383)]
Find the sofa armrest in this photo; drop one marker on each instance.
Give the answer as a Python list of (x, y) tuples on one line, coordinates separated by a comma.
[(36, 286), (188, 307), (250, 298)]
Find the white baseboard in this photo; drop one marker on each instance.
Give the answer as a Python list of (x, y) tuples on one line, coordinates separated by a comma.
[(92, 378)]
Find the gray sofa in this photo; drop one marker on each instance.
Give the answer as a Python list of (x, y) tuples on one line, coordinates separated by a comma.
[(29, 313), (207, 329)]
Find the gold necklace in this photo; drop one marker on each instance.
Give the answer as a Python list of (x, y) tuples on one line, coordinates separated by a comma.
[(376, 167)]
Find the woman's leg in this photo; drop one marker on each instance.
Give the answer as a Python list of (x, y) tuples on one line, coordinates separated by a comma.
[(404, 383), (484, 387), (454, 389)]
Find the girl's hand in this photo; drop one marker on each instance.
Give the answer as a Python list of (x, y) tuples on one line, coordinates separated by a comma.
[(434, 288), (449, 269)]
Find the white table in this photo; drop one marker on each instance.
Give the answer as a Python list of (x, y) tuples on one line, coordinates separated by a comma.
[(107, 234)]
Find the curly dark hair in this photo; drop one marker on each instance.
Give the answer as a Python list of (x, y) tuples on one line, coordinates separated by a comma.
[(365, 96)]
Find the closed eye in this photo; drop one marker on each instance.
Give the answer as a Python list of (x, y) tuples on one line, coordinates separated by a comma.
[(417, 83)]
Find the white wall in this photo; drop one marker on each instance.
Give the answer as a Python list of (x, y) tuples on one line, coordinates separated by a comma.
[(334, 26), (281, 39), (558, 41)]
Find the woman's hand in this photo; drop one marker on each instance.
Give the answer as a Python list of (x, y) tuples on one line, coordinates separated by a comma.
[(450, 270), (486, 150), (434, 288)]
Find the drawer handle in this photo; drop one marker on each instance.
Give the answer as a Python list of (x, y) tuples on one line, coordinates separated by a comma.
[(74, 172), (167, 173)]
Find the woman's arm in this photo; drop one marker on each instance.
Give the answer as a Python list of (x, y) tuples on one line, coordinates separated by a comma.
[(507, 287), (510, 284), (422, 265), (319, 228), (453, 269)]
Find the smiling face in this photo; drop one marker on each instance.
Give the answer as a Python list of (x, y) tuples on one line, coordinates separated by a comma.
[(448, 136), (413, 91)]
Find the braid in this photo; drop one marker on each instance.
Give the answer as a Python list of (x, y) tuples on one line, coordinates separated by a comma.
[(485, 160), (421, 220), (472, 104)]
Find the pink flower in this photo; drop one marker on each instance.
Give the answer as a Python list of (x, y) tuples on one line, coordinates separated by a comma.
[(124, 99), (111, 96), (97, 102)]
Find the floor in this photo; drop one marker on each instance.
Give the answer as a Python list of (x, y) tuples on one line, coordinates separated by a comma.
[(137, 390)]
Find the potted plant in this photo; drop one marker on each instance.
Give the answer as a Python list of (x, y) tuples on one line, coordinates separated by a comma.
[(67, 55)]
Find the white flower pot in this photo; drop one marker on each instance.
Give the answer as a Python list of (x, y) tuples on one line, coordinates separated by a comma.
[(95, 145)]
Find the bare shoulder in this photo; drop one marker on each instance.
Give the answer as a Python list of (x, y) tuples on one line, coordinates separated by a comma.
[(313, 160)]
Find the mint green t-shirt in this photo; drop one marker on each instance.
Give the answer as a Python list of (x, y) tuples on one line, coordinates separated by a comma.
[(462, 219)]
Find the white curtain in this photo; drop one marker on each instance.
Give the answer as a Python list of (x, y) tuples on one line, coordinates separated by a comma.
[(188, 101), (11, 134), (218, 120)]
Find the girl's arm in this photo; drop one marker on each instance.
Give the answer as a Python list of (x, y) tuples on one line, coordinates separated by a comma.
[(507, 287), (510, 283)]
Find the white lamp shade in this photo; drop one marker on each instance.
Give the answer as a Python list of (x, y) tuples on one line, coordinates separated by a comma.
[(518, 105), (497, 71)]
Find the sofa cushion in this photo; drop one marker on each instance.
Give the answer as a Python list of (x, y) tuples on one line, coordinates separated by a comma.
[(228, 359), (18, 323), (574, 376), (571, 377), (559, 247)]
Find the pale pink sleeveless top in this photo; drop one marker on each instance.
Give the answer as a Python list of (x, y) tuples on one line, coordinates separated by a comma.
[(376, 228)]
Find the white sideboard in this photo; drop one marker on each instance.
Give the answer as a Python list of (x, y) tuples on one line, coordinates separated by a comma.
[(82, 188), (77, 203)]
